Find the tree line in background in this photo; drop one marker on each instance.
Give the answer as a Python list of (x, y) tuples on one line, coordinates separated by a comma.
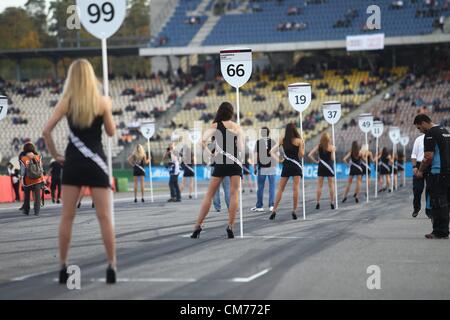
[(37, 25)]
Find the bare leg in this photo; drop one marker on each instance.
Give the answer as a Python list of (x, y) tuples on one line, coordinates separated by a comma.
[(358, 185), (250, 182), (319, 189), (331, 189), (102, 201), (135, 186), (191, 185), (182, 184), (70, 197), (349, 184), (296, 187), (234, 200), (142, 186), (206, 204), (281, 186)]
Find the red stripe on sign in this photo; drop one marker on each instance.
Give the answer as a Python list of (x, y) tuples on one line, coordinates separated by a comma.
[(236, 51)]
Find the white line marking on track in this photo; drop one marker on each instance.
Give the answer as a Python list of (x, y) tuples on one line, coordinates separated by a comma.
[(22, 278), (278, 237), (251, 278), (146, 280), (140, 280)]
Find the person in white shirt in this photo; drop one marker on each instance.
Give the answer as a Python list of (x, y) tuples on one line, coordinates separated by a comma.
[(418, 184)]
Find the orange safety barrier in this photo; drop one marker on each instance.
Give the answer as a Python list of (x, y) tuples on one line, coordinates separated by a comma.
[(7, 191)]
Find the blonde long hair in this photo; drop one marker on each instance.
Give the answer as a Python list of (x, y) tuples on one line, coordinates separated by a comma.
[(138, 154), (82, 93)]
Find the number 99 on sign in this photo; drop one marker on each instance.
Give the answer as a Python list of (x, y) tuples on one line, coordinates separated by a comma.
[(107, 9)]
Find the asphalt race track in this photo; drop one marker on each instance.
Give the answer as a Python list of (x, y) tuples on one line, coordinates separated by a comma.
[(324, 257)]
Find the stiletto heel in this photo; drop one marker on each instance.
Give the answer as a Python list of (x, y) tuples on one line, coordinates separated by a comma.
[(63, 276), (110, 275), (196, 233), (294, 216), (317, 206), (230, 233), (272, 216), (345, 199)]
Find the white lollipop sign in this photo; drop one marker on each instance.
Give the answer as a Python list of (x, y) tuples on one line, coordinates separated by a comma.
[(365, 122), (332, 111), (299, 96), (377, 129), (236, 66), (148, 129), (102, 18), (394, 135), (404, 140), (3, 107)]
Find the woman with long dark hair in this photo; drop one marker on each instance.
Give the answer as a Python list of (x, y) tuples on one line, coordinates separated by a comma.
[(326, 166), (228, 137), (356, 170), (384, 169), (293, 148)]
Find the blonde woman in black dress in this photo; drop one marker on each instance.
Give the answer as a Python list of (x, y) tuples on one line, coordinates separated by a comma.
[(84, 162), (138, 159)]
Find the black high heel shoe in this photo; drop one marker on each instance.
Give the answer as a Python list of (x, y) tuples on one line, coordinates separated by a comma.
[(318, 206), (332, 206), (356, 200), (110, 275), (294, 216), (230, 233), (196, 233), (63, 276), (345, 199), (272, 216)]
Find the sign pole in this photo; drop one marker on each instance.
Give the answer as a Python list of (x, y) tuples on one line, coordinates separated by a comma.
[(236, 69), (335, 169), (367, 170), (150, 170), (106, 92), (404, 166), (303, 168), (393, 164), (240, 181), (195, 170), (376, 167)]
